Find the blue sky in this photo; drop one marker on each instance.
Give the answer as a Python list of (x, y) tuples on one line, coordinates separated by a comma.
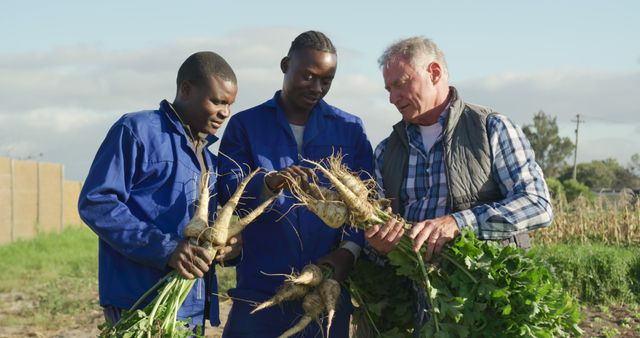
[(69, 69)]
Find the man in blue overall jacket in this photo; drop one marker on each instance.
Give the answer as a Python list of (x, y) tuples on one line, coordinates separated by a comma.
[(142, 190), (295, 124)]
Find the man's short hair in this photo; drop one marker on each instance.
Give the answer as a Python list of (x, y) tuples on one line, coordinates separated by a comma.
[(314, 40), (419, 50), (198, 67)]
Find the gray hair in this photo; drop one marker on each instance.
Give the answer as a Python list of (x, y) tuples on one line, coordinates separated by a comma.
[(420, 51)]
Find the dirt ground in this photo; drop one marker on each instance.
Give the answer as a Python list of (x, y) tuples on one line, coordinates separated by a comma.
[(15, 303), (600, 321)]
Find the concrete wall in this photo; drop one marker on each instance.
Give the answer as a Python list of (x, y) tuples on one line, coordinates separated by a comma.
[(34, 197), (5, 201)]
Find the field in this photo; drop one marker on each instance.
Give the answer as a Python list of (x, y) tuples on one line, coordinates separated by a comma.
[(48, 286)]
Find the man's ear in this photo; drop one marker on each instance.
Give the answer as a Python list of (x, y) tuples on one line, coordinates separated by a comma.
[(184, 90), (435, 72), (284, 64)]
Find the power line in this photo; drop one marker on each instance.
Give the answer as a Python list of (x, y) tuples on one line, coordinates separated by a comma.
[(606, 120), (575, 151)]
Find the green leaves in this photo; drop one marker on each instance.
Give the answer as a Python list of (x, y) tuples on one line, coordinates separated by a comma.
[(158, 318), (477, 288)]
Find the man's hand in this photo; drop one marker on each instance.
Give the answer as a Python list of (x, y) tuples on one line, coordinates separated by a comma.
[(340, 261), (231, 250), (191, 261), (436, 232), (276, 181), (385, 238)]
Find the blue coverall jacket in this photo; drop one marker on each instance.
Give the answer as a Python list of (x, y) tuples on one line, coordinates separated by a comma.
[(139, 194), (285, 238)]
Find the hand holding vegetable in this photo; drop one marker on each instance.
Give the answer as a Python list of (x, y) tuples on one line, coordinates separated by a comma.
[(436, 232), (473, 288), (277, 180), (191, 261), (384, 238), (232, 249)]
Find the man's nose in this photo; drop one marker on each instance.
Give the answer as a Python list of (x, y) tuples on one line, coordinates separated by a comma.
[(393, 97), (225, 111)]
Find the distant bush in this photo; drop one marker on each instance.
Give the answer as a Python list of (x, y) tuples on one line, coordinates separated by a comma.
[(573, 189), (555, 188)]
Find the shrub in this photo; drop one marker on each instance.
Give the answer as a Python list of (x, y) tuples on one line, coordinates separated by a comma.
[(555, 188), (573, 189)]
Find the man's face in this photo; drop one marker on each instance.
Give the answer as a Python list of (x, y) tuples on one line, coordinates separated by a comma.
[(307, 77), (207, 105), (410, 90)]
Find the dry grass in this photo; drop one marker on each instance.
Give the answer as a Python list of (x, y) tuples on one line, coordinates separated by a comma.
[(607, 220)]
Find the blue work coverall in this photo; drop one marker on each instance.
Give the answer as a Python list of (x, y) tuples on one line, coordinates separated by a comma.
[(285, 238), (140, 193)]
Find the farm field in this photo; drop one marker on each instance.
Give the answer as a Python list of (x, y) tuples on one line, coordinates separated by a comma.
[(48, 286)]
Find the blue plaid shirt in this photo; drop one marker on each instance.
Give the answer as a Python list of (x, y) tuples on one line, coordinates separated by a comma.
[(526, 205)]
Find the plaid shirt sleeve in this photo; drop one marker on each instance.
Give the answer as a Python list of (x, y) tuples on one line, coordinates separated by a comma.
[(378, 162), (526, 205)]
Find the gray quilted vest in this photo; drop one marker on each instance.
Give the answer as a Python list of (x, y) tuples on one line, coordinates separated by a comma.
[(467, 157)]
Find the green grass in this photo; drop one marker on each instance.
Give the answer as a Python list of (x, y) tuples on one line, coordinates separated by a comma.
[(596, 273), (49, 280), (226, 279), (52, 280)]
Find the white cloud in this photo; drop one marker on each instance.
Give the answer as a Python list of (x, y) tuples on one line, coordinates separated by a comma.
[(607, 96), (61, 102), (59, 120), (607, 102)]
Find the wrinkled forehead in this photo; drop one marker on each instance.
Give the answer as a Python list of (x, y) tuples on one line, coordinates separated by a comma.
[(398, 60), (396, 67)]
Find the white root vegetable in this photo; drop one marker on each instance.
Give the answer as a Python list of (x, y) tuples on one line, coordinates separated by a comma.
[(311, 275), (220, 232), (351, 181), (312, 305), (330, 292), (287, 292), (361, 210), (334, 213), (216, 236), (199, 222)]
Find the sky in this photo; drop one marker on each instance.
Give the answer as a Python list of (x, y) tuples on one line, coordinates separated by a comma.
[(70, 69)]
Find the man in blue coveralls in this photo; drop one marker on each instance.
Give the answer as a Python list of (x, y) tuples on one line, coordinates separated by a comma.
[(276, 135), (142, 190)]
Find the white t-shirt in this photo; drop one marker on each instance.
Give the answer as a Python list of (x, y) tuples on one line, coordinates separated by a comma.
[(298, 134), (430, 135)]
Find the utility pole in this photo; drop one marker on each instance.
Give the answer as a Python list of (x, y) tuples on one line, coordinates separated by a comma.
[(575, 151)]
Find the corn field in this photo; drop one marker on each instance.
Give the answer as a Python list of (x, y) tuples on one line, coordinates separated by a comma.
[(607, 220)]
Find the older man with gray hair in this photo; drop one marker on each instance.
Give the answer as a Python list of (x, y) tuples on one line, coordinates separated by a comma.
[(449, 164)]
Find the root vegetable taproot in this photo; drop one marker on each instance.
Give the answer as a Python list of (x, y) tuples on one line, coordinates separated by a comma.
[(319, 192), (351, 181), (287, 292), (361, 210), (311, 275), (329, 290), (216, 236), (199, 222), (159, 317), (312, 305), (220, 231), (332, 213)]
